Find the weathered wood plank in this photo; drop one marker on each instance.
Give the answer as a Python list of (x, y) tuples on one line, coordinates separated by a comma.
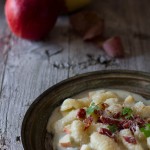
[(31, 69), (4, 43), (4, 48)]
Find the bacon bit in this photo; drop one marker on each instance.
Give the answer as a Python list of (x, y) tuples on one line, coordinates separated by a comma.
[(107, 120), (81, 114), (130, 139), (104, 106), (98, 112), (133, 127), (117, 115), (128, 124), (88, 122), (99, 120), (106, 132), (131, 124), (139, 120)]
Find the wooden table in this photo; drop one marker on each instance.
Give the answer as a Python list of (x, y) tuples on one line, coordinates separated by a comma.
[(28, 68)]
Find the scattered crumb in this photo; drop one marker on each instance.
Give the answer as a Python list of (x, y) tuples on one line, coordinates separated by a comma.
[(4, 143), (104, 61), (91, 60), (18, 139), (48, 54), (90, 56)]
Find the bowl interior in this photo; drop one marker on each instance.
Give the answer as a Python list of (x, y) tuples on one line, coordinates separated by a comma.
[(36, 118)]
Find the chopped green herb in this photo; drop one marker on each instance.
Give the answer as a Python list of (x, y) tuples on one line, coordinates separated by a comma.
[(113, 128), (91, 109), (127, 112), (129, 116), (146, 130)]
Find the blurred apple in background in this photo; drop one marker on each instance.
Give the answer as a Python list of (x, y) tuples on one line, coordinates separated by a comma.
[(31, 19)]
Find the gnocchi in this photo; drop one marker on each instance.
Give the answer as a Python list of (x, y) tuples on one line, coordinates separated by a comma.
[(104, 120)]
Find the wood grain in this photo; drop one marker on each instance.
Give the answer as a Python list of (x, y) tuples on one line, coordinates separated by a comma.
[(28, 68), (4, 44)]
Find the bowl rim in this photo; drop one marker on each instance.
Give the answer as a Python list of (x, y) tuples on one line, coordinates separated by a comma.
[(76, 77)]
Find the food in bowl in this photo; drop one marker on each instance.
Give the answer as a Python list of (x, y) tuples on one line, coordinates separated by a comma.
[(101, 120)]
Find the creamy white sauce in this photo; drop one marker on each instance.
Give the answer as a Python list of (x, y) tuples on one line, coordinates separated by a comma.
[(56, 115)]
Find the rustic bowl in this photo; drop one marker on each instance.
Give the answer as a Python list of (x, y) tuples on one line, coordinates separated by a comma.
[(35, 121)]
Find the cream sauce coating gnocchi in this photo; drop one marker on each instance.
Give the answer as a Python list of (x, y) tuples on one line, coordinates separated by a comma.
[(107, 119)]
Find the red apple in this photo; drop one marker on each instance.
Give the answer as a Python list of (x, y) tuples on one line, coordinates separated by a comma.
[(31, 19)]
